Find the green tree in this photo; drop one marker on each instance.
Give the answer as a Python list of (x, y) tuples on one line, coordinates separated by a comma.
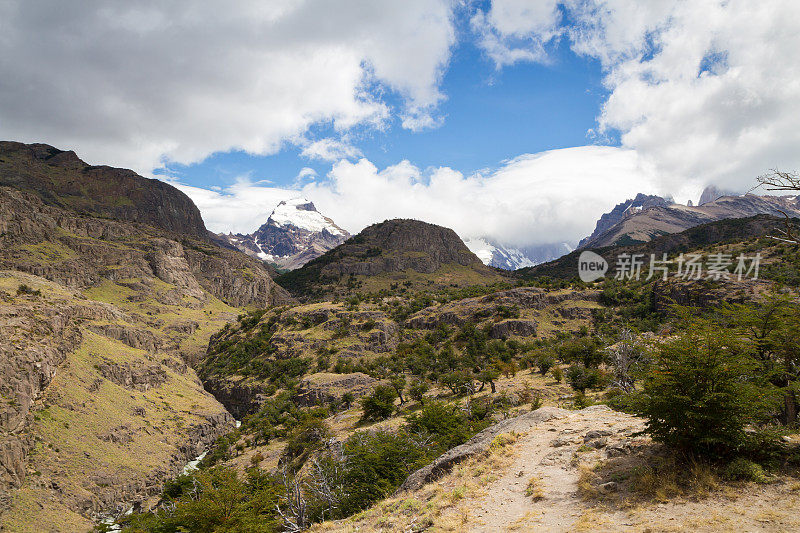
[(701, 390), (582, 350), (418, 389), (488, 375), (772, 325), (399, 384), (459, 382)]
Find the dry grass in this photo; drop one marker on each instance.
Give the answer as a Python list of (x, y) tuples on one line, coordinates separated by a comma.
[(440, 506), (534, 489), (627, 481)]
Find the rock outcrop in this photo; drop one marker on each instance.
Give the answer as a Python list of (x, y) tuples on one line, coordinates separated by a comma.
[(34, 340), (478, 444)]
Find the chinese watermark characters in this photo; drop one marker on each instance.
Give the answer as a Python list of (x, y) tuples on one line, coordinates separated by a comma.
[(716, 266)]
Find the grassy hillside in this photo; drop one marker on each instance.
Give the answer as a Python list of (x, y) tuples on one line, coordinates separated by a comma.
[(101, 320), (114, 418)]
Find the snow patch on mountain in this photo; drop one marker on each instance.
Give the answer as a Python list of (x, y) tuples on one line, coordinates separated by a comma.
[(498, 256)]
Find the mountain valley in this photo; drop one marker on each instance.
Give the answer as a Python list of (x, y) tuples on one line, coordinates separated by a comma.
[(391, 382)]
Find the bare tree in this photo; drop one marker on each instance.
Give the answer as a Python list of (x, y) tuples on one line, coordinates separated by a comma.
[(324, 480), (295, 512), (776, 180), (629, 358)]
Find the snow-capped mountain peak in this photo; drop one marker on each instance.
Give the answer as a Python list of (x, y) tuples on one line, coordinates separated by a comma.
[(498, 256), (301, 213), (510, 258), (294, 234)]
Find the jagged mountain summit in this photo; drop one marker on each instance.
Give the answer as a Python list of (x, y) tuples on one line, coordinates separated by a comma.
[(631, 225), (294, 234), (622, 211), (711, 193)]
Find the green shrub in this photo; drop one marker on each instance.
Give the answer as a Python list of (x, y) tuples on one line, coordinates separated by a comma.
[(215, 500), (581, 401), (741, 469), (377, 463), (581, 378), (303, 440), (24, 289), (380, 404)]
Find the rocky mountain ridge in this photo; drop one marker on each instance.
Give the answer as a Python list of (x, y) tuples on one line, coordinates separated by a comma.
[(622, 211), (728, 230), (61, 179), (644, 223)]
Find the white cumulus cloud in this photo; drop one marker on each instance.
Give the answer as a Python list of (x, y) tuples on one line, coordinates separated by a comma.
[(329, 149), (540, 198), (238, 208), (135, 83), (708, 91)]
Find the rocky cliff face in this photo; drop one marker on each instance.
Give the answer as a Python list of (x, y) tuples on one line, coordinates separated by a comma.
[(294, 234), (104, 299), (622, 211), (61, 179), (80, 252)]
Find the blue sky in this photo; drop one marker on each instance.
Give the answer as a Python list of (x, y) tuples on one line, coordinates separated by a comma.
[(489, 115)]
